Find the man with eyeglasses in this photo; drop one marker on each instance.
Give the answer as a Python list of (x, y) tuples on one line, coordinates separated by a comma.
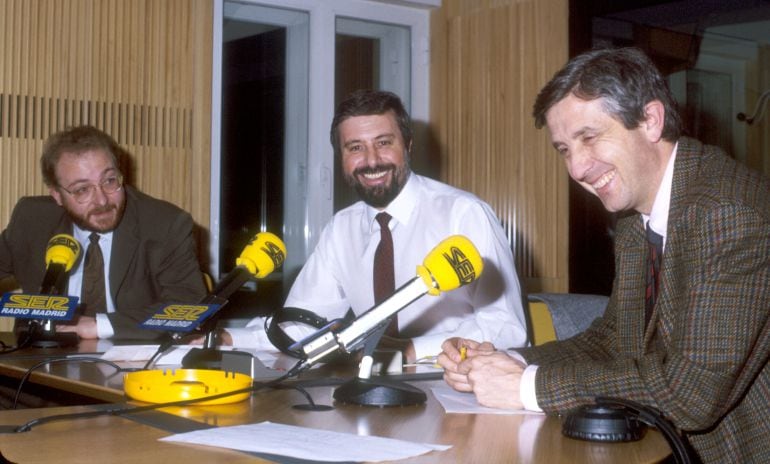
[(148, 256)]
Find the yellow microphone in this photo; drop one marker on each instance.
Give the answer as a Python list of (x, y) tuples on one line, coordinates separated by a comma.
[(262, 255), (451, 264), (62, 249), (61, 254)]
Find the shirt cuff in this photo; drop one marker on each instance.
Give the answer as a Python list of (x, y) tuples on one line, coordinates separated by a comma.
[(104, 326), (428, 345), (527, 393), (249, 337)]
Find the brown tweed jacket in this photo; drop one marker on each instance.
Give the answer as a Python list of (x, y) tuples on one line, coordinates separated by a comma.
[(703, 360), (153, 259)]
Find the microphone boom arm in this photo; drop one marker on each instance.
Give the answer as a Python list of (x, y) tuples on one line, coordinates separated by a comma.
[(349, 338)]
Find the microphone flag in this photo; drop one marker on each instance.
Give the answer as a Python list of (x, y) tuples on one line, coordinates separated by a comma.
[(264, 253), (61, 254)]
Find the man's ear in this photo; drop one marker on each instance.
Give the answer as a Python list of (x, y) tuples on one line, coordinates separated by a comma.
[(56, 195), (654, 120)]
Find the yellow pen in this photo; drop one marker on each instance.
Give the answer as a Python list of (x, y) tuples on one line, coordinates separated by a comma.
[(463, 353)]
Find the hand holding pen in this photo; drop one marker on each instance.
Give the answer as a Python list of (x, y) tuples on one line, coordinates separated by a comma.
[(456, 352)]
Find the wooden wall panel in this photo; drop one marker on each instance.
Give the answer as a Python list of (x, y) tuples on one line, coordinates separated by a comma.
[(489, 58), (138, 69), (134, 68)]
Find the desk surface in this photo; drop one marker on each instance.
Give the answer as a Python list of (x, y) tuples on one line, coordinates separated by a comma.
[(474, 438)]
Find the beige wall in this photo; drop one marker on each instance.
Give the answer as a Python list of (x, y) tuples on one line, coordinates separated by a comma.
[(489, 60)]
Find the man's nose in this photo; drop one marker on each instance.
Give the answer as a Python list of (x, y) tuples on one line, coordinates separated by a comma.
[(372, 156), (578, 164), (99, 196)]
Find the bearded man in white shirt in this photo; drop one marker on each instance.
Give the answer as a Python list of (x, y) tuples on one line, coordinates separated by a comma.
[(371, 133)]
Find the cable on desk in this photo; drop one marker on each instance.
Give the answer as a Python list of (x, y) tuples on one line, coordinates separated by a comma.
[(119, 411), (29, 371), (23, 343), (165, 343)]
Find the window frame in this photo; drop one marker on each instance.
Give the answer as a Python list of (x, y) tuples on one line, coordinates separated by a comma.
[(314, 162)]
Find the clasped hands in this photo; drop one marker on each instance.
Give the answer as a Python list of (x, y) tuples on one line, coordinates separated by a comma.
[(493, 376)]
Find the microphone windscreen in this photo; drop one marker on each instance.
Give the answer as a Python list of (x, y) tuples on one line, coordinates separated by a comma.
[(263, 254), (62, 249), (451, 264)]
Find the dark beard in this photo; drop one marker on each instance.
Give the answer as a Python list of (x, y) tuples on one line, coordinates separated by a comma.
[(83, 223), (380, 196)]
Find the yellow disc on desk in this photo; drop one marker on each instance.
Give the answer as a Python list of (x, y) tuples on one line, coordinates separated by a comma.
[(167, 385)]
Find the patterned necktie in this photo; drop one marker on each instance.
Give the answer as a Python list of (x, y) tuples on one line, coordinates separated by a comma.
[(654, 259), (384, 279), (92, 295)]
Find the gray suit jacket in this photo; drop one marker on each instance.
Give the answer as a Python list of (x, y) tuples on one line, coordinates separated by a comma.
[(153, 259), (703, 359)]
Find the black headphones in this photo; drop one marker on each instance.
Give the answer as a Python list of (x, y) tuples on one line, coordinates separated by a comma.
[(279, 338), (616, 419)]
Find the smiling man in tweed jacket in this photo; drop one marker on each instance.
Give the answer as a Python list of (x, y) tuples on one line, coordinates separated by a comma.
[(702, 357)]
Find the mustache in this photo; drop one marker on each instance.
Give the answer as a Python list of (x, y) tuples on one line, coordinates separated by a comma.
[(102, 209)]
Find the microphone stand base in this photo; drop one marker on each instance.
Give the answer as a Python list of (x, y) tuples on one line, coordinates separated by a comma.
[(203, 358), (42, 339), (380, 392)]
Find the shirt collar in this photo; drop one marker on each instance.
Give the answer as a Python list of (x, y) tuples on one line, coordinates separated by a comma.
[(658, 217), (402, 206), (81, 236)]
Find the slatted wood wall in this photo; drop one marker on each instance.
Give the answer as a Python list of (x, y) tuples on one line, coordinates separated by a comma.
[(138, 69), (489, 58)]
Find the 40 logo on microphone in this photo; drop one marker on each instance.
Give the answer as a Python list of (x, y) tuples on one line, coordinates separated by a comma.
[(452, 263), (461, 265), (275, 252)]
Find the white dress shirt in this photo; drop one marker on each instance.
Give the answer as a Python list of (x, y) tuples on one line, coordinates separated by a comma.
[(338, 274), (658, 219)]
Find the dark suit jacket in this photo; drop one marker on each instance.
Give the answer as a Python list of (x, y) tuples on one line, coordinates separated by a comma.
[(703, 359), (153, 259)]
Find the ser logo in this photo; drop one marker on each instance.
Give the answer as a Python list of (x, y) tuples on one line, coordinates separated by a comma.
[(65, 241), (33, 302), (180, 312), (461, 265), (275, 253)]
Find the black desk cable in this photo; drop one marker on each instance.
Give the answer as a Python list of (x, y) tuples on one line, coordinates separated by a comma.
[(78, 359), (121, 410)]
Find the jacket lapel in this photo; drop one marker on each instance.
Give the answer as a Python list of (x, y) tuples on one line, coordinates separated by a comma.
[(125, 242), (630, 283), (685, 169)]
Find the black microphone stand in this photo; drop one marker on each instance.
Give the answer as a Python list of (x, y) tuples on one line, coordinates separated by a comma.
[(209, 357), (365, 391), (42, 333)]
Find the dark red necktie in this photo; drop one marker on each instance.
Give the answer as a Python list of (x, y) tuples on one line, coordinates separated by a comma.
[(383, 276), (92, 296), (654, 259)]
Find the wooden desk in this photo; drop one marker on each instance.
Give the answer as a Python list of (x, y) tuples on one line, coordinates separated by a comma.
[(474, 438), (97, 381)]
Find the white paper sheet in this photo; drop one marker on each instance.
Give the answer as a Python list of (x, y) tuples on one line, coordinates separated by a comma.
[(305, 443), (466, 403)]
